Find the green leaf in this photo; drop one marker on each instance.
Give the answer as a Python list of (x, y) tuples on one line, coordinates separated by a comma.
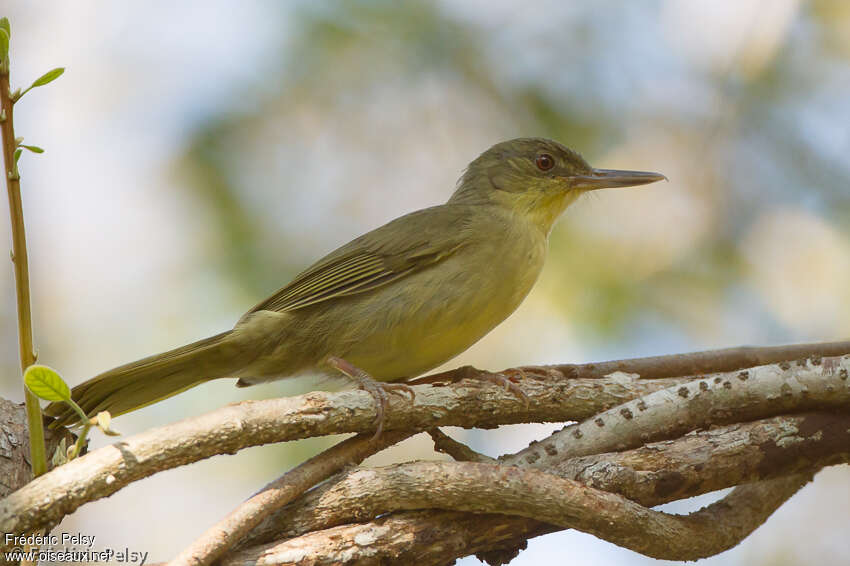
[(4, 44), (32, 148), (4, 25), (48, 77), (46, 384), (18, 153)]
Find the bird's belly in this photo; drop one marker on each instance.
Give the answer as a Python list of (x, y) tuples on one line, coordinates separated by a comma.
[(434, 315)]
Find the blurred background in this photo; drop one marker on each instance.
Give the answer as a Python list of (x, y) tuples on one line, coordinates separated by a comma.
[(199, 154)]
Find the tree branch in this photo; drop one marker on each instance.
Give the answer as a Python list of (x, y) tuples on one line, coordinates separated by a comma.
[(709, 361), (219, 538), (428, 537), (722, 398), (493, 488), (650, 475), (415, 537), (798, 386), (670, 365), (460, 452), (228, 429), (467, 403), (718, 458)]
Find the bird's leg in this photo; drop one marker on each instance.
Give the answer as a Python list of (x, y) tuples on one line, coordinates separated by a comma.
[(377, 389)]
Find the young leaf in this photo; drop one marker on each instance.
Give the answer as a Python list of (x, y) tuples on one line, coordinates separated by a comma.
[(32, 148), (4, 25), (103, 420), (18, 153), (46, 384), (60, 455), (48, 77)]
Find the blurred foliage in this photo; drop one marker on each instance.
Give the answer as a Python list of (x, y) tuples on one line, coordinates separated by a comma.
[(747, 140)]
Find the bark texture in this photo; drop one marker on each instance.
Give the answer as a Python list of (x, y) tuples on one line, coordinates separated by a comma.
[(649, 431)]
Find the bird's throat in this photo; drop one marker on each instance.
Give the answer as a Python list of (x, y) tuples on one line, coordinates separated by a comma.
[(543, 210)]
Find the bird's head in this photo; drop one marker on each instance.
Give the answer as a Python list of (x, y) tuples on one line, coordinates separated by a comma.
[(537, 178)]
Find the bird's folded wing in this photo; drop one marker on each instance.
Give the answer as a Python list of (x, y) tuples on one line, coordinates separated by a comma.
[(388, 253)]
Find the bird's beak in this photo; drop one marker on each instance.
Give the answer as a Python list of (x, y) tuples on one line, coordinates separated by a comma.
[(612, 178)]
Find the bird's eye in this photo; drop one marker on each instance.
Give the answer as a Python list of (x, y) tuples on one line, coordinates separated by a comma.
[(544, 161)]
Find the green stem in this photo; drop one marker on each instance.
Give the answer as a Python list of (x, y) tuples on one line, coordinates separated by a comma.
[(81, 440), (79, 410), (38, 453)]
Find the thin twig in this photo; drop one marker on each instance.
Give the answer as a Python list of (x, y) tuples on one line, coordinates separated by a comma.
[(38, 455), (710, 361), (219, 538), (460, 452), (670, 365)]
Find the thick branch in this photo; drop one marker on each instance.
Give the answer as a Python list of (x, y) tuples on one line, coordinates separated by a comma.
[(827, 379), (719, 458), (750, 394), (721, 398), (251, 423), (493, 488), (651, 475), (467, 403), (219, 538), (682, 468), (415, 537), (431, 537)]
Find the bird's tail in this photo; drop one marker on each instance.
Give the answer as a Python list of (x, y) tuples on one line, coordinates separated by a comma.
[(138, 384)]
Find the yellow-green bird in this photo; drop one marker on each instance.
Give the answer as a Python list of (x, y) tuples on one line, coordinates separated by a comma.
[(393, 303)]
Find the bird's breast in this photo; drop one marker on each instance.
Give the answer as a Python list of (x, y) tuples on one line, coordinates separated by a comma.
[(429, 317)]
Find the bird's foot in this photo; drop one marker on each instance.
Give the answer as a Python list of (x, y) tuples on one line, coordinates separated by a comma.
[(377, 389), (508, 379)]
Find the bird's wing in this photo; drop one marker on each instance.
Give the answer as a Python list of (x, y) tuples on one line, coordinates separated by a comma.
[(388, 253)]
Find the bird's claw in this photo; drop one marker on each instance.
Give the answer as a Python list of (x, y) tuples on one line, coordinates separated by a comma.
[(378, 390), (507, 379), (396, 388)]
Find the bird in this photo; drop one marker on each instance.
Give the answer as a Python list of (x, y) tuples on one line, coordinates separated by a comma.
[(393, 303)]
